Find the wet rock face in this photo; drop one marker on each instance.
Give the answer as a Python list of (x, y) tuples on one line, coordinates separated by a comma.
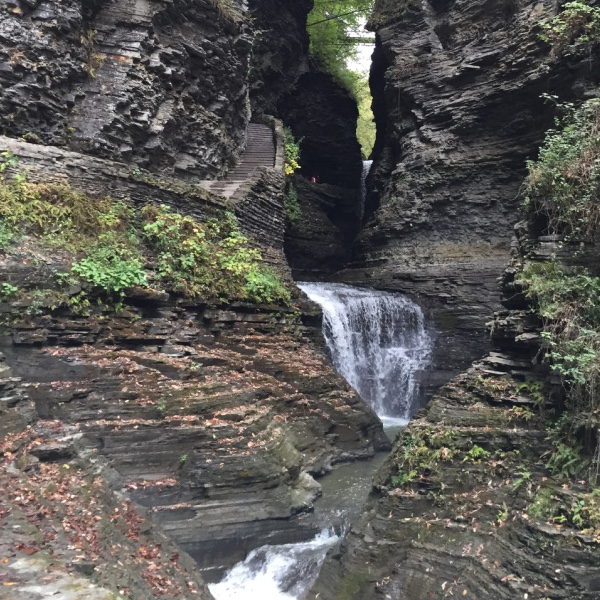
[(457, 102), (318, 243), (163, 85)]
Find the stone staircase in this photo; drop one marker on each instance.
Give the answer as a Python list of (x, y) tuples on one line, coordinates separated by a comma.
[(260, 152)]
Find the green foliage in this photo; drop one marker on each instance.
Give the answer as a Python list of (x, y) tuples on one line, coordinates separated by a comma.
[(502, 515), (476, 454), (577, 22), (94, 59), (578, 510), (56, 212), (292, 151), (210, 259), (422, 452), (8, 161), (112, 243), (292, 207), (365, 127), (335, 28), (264, 285), (8, 234), (569, 303), (543, 504), (564, 182), (403, 478), (111, 266), (534, 389), (8, 291), (565, 460)]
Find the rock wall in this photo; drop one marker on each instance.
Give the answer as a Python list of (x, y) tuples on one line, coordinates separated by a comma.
[(162, 85), (457, 89), (318, 242), (280, 51), (463, 506), (216, 419)]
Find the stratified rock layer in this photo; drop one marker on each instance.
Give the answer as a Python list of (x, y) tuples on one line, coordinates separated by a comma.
[(161, 84), (457, 89)]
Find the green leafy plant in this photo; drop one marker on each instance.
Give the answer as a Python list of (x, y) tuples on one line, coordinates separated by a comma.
[(422, 452), (114, 245), (110, 267), (563, 183), (502, 515), (293, 211), (403, 478), (566, 460), (335, 28), (8, 291), (577, 22), (292, 151), (212, 259), (476, 454), (94, 59), (8, 234), (8, 161)]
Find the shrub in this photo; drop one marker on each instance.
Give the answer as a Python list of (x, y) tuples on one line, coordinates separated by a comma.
[(292, 207), (563, 183), (212, 259), (333, 28), (111, 266), (112, 243), (264, 285), (292, 151), (569, 304), (577, 22)]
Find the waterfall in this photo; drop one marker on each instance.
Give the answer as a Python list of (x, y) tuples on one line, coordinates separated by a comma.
[(378, 342), (284, 572), (367, 164)]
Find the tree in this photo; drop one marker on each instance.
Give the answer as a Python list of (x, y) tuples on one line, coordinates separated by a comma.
[(336, 28)]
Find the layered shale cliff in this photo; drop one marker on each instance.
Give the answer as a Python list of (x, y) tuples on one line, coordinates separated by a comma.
[(475, 499), (457, 98)]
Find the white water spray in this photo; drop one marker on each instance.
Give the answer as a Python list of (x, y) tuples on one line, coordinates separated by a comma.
[(284, 572), (367, 164), (378, 342)]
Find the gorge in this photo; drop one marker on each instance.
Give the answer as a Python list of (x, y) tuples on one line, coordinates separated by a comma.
[(211, 303)]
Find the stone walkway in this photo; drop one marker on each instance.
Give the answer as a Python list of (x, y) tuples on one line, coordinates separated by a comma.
[(260, 152)]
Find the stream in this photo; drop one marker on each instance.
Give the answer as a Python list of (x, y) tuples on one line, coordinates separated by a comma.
[(379, 343)]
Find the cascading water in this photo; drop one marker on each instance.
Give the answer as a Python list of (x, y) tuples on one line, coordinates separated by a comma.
[(378, 342), (367, 164), (284, 572)]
